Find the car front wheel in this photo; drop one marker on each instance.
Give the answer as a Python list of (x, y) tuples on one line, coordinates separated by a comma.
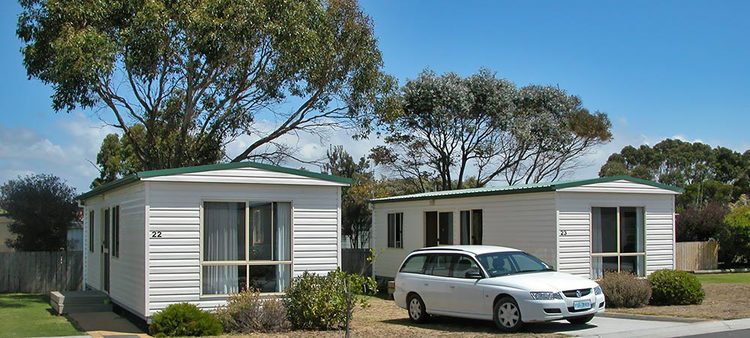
[(417, 310), (507, 315), (580, 320)]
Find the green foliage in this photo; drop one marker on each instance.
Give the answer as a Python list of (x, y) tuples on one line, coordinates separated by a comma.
[(196, 74), (356, 217), (184, 319), (324, 302), (671, 287), (247, 312), (437, 127), (707, 174), (701, 222), (734, 240), (41, 208), (622, 289), (117, 157)]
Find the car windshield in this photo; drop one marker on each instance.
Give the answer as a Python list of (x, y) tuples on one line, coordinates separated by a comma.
[(508, 263)]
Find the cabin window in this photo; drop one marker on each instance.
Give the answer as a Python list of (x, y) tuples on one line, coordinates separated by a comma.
[(91, 230), (396, 230), (246, 245), (471, 227), (618, 241), (116, 231)]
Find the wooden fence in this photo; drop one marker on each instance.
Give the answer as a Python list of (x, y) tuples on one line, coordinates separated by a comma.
[(40, 272), (355, 261), (694, 256)]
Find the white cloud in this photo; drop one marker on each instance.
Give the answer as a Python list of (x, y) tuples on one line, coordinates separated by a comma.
[(25, 151)]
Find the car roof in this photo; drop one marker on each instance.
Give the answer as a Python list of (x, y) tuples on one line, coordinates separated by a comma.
[(472, 249)]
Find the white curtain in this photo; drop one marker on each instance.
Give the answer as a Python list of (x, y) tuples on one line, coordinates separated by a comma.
[(223, 236), (282, 244), (596, 267)]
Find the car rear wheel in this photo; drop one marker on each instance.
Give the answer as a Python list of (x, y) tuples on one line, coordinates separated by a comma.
[(416, 308), (507, 315), (580, 320)]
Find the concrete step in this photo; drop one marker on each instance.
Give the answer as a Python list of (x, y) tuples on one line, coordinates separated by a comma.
[(80, 308), (79, 301)]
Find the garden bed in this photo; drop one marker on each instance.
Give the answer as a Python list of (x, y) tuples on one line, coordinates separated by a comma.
[(724, 300), (384, 319)]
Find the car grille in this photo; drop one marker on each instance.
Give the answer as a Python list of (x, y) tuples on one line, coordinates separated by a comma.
[(574, 293)]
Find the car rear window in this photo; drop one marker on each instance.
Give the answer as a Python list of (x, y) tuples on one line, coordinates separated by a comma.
[(415, 264)]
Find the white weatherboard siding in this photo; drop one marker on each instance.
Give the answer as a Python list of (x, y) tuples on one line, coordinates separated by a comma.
[(127, 272), (574, 216), (174, 209), (523, 221), (243, 175)]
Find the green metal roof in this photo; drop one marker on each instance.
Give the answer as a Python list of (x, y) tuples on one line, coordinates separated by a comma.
[(221, 166), (519, 189)]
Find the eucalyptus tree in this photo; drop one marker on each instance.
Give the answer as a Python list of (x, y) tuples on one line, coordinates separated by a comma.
[(203, 72), (444, 127)]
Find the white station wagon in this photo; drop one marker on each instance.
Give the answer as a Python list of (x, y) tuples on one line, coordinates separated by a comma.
[(505, 285)]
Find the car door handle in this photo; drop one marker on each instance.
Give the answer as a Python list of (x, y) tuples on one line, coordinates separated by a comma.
[(453, 286), (426, 284)]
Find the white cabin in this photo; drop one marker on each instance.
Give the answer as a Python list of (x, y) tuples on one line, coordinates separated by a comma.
[(585, 227), (198, 234)]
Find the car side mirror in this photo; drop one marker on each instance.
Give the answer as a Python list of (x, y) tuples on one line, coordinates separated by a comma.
[(473, 274)]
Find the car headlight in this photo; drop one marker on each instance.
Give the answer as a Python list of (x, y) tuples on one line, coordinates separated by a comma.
[(545, 295), (598, 290)]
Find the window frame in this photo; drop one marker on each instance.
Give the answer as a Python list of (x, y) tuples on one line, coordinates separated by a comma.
[(619, 254), (397, 231), (247, 262), (115, 229), (471, 225), (92, 223)]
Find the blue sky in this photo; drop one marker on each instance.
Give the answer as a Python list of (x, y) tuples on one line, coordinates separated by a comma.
[(658, 68)]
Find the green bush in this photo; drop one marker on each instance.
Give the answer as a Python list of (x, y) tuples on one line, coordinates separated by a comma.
[(184, 319), (734, 240), (247, 312), (622, 289), (671, 287), (325, 302)]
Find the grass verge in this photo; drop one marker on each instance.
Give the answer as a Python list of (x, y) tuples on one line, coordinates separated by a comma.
[(28, 315), (738, 278)]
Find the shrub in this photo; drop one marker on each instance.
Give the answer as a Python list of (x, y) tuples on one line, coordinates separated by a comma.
[(325, 302), (247, 312), (734, 240), (670, 287), (622, 289), (184, 319)]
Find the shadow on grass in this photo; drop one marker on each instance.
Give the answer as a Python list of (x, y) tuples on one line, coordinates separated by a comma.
[(21, 300)]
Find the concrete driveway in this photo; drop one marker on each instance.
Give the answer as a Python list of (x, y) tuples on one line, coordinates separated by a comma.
[(602, 326)]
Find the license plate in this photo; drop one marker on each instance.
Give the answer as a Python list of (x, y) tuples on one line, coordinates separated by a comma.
[(581, 305)]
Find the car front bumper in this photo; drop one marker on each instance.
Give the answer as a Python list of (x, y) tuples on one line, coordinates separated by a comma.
[(548, 310)]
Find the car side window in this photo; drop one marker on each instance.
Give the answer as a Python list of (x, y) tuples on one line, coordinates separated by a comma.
[(439, 265), (463, 265), (415, 264)]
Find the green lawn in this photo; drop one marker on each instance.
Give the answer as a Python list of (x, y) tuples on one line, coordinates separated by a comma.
[(725, 278), (26, 315)]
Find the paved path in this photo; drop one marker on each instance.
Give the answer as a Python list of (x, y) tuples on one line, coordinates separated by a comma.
[(606, 327), (101, 324)]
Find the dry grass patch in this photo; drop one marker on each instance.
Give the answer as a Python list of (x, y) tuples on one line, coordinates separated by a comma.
[(384, 319), (723, 301)]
